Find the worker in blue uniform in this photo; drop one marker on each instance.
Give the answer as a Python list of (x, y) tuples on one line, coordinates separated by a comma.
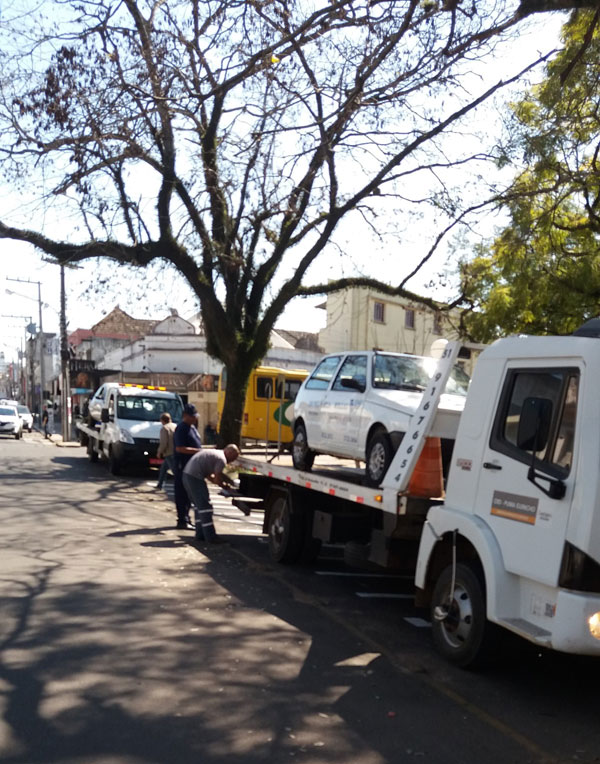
[(186, 441)]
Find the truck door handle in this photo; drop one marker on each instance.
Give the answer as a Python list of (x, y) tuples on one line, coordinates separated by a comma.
[(491, 466)]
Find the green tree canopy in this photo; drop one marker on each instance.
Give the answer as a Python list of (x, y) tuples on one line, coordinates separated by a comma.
[(542, 273)]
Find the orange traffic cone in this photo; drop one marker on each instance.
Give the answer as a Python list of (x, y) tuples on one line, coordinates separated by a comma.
[(427, 480)]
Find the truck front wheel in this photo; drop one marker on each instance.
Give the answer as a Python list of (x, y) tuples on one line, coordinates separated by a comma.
[(378, 457), (114, 465), (460, 629)]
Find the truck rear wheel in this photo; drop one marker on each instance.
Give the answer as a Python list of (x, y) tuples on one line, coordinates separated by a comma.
[(285, 531), (464, 636), (302, 456), (91, 451)]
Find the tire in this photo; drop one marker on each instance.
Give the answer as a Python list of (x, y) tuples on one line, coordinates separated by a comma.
[(91, 451), (465, 637), (285, 531), (17, 435), (302, 456), (378, 457), (114, 465)]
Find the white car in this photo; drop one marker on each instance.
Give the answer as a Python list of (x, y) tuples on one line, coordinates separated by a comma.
[(10, 421), (358, 405), (26, 417)]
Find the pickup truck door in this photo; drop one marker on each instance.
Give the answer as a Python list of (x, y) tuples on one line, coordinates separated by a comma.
[(344, 405), (529, 525)]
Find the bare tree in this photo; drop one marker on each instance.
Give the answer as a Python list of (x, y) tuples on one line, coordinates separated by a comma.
[(230, 138)]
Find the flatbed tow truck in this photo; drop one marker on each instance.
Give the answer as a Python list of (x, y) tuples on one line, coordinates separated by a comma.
[(513, 539)]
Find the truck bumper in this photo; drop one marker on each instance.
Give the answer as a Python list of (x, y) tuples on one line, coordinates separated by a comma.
[(138, 453), (570, 630)]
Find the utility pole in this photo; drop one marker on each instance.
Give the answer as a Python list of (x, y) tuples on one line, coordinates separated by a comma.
[(41, 335), (65, 385)]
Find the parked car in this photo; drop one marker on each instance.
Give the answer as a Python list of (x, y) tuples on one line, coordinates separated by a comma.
[(26, 417), (358, 405), (10, 421)]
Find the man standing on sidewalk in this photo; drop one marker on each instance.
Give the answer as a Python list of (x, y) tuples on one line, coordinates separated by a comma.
[(186, 442), (166, 449), (207, 464)]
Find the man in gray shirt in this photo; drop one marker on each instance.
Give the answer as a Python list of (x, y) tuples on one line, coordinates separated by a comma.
[(208, 463)]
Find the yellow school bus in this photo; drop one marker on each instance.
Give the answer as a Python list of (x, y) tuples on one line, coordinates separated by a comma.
[(270, 395)]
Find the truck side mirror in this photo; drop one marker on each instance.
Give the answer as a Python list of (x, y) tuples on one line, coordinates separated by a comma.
[(534, 424), (104, 416)]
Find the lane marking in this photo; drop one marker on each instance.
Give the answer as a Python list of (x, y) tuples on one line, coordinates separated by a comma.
[(357, 575), (420, 623), (384, 596)]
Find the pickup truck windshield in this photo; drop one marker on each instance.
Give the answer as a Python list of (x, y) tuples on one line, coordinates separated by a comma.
[(148, 409), (405, 373)]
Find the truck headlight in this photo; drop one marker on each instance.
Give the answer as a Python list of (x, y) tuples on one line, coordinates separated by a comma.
[(594, 625), (125, 436)]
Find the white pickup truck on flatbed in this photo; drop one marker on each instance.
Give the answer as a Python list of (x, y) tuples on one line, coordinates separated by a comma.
[(512, 539)]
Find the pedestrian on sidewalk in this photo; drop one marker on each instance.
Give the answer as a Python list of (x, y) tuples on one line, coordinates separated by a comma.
[(166, 449), (207, 464), (45, 420), (186, 441)]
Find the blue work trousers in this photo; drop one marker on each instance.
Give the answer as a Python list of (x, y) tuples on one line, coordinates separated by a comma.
[(182, 503), (197, 491)]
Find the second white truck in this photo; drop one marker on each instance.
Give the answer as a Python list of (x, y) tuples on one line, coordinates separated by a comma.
[(124, 424)]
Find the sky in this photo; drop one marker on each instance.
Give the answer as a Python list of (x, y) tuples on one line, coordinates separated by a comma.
[(96, 287)]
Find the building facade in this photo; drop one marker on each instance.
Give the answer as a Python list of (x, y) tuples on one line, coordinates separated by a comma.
[(364, 319)]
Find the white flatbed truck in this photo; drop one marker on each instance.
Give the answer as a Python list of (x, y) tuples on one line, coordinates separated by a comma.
[(124, 424), (514, 541)]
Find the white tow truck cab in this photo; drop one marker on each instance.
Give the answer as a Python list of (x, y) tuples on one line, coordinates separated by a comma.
[(124, 424), (514, 538)]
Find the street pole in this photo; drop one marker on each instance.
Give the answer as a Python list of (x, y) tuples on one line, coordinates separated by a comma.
[(64, 358), (42, 345)]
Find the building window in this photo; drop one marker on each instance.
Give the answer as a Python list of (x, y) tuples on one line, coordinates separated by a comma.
[(409, 318), (437, 323), (379, 312)]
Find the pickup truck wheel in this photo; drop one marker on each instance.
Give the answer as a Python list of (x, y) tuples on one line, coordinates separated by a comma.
[(464, 636), (91, 451), (378, 457), (285, 531), (114, 465), (302, 456)]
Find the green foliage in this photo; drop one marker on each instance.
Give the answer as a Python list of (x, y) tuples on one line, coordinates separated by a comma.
[(541, 275)]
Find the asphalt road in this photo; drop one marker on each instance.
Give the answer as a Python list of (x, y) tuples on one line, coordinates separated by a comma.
[(123, 642)]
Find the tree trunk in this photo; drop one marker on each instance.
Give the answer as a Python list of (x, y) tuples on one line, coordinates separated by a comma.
[(235, 396)]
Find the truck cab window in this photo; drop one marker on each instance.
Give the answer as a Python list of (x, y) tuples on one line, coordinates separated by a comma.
[(559, 387)]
